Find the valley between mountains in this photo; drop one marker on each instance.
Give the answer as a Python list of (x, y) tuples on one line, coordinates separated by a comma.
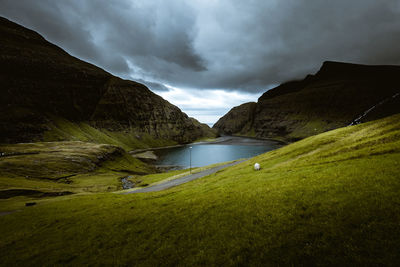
[(329, 196)]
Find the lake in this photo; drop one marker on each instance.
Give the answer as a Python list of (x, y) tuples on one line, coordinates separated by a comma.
[(225, 148)]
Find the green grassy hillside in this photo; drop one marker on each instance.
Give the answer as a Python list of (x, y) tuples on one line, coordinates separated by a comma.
[(60, 129), (331, 199), (53, 168)]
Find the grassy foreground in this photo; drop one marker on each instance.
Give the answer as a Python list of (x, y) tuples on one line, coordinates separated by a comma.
[(331, 199)]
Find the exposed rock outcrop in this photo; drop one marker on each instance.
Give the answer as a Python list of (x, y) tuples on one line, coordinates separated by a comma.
[(334, 97)]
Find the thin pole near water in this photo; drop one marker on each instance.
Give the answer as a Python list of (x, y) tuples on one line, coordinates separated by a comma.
[(190, 164)]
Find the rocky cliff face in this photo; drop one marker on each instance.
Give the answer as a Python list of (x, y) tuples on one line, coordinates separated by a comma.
[(239, 120), (39, 82), (334, 97)]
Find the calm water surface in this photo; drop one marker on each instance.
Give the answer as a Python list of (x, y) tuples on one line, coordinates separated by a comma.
[(225, 149)]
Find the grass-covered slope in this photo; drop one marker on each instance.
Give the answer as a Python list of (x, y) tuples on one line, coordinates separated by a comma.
[(331, 199), (60, 129), (47, 168)]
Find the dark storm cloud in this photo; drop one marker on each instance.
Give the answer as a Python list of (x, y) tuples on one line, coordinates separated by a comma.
[(273, 41), (232, 45), (110, 33)]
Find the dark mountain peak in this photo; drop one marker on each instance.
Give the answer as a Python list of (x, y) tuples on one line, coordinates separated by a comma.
[(8, 28), (333, 69), (337, 64)]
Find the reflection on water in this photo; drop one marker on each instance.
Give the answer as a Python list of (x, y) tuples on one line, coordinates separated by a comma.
[(228, 148)]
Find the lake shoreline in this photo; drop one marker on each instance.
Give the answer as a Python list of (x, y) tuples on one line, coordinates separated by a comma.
[(223, 140), (239, 140), (226, 148), (155, 156)]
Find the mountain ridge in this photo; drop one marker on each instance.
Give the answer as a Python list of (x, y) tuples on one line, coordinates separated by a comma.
[(40, 80), (333, 97)]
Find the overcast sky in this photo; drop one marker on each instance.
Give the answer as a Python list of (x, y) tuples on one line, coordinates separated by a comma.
[(206, 56)]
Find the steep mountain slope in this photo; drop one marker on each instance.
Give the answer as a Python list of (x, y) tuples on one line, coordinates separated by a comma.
[(42, 85), (337, 95), (238, 120)]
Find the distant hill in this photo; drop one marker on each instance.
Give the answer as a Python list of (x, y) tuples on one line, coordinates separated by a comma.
[(49, 95), (338, 95)]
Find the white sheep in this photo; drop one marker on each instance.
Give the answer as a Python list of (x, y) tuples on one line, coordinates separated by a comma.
[(257, 167)]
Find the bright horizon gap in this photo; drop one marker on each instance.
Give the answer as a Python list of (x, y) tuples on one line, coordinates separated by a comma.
[(206, 106)]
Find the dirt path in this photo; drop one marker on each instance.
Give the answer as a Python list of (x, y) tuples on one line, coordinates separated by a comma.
[(185, 179)]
